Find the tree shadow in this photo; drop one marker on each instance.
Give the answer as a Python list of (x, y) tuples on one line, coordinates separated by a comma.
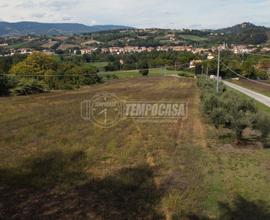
[(239, 209), (242, 209), (33, 191), (194, 217), (49, 170)]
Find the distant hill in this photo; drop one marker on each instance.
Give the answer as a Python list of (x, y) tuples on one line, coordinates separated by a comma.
[(35, 28), (246, 33), (239, 28)]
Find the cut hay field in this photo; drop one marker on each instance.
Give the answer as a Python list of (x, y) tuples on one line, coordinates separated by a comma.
[(54, 165)]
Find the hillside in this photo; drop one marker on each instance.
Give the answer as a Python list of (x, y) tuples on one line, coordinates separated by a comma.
[(245, 33), (239, 28), (26, 28)]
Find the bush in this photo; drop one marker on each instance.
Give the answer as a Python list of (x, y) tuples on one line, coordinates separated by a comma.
[(262, 123), (5, 85), (262, 74), (228, 108), (144, 72), (91, 79), (186, 74), (143, 68), (218, 116), (44, 70), (111, 76), (239, 112), (29, 86), (210, 102)]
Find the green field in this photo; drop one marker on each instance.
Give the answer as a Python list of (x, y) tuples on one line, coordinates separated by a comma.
[(18, 45), (55, 165), (192, 37), (135, 73), (99, 65)]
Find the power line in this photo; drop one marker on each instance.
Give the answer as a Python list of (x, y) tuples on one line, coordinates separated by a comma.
[(218, 70), (265, 84)]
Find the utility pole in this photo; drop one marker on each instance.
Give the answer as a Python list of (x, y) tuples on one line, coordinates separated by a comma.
[(218, 70), (202, 70), (165, 70)]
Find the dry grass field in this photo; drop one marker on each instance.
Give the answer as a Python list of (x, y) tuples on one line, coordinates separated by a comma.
[(54, 165)]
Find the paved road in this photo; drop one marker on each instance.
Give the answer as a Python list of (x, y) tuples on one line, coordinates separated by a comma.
[(257, 96)]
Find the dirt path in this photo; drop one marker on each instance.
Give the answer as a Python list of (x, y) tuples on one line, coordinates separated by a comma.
[(192, 129)]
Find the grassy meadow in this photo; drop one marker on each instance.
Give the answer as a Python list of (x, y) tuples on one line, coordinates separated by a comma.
[(54, 165), (135, 73)]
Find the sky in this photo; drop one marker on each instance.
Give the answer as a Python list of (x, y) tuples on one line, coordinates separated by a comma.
[(176, 14)]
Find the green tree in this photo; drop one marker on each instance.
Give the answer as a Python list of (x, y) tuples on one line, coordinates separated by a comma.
[(144, 68), (262, 123), (5, 85), (36, 65), (240, 112), (248, 69)]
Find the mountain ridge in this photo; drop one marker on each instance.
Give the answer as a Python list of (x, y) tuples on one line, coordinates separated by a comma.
[(37, 28)]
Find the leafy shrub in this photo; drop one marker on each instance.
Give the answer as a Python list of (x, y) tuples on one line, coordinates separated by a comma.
[(210, 102), (228, 108), (6, 83), (29, 86), (262, 74), (45, 72), (91, 79), (111, 76), (262, 123), (186, 74), (144, 72), (218, 116)]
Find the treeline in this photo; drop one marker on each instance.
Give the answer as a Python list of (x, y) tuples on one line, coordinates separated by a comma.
[(231, 110), (249, 66), (137, 60), (40, 72)]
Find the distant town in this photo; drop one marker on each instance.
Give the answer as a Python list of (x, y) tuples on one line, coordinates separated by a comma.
[(86, 48)]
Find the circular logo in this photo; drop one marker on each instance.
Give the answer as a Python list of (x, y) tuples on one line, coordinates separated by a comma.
[(106, 110)]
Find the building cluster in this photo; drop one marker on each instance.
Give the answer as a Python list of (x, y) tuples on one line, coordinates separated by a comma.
[(83, 49), (137, 49), (22, 51), (242, 49)]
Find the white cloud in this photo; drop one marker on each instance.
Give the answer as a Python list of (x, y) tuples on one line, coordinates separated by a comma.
[(150, 13)]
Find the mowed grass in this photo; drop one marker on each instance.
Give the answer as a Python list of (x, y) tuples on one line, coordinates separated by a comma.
[(97, 64), (236, 173), (54, 165), (263, 89), (135, 73)]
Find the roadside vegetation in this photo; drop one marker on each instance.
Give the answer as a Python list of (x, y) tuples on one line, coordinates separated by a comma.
[(232, 110)]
